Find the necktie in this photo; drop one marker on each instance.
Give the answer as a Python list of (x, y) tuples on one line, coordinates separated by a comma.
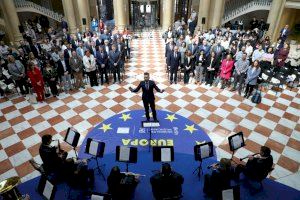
[(174, 55), (147, 85)]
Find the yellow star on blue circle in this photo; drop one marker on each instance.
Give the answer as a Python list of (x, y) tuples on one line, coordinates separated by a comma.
[(190, 128), (105, 127), (125, 117), (171, 117)]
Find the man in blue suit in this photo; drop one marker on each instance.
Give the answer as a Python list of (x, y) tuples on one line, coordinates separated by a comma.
[(284, 33), (148, 95), (114, 62), (102, 62), (173, 62)]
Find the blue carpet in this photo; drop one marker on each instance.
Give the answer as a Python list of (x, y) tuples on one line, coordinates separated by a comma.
[(174, 132)]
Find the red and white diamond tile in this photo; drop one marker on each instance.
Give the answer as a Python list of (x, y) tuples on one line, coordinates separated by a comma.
[(274, 122)]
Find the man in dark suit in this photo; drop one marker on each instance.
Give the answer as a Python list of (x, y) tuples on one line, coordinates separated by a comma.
[(169, 47), (148, 95), (102, 61), (114, 62), (173, 62), (167, 183), (36, 49), (284, 33), (121, 48), (193, 48)]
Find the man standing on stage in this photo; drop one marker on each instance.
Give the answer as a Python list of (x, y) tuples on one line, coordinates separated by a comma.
[(148, 95)]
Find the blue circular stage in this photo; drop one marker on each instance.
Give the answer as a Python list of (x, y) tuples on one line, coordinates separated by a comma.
[(126, 129)]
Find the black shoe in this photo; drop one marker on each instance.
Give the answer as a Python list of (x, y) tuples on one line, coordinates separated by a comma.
[(155, 120), (171, 82), (148, 120), (245, 95), (175, 82)]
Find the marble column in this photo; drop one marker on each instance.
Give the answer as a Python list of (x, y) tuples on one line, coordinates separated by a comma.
[(274, 16), (216, 11), (204, 6), (168, 9), (69, 15), (83, 12), (120, 12), (11, 21)]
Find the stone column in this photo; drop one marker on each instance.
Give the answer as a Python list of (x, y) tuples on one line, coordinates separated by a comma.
[(83, 12), (204, 6), (70, 15), (274, 16), (120, 12), (168, 9), (12, 20), (217, 11)]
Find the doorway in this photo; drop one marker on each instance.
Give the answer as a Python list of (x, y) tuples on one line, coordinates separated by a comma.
[(144, 14)]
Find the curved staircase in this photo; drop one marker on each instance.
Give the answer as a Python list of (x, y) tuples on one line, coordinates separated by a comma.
[(236, 8), (28, 6)]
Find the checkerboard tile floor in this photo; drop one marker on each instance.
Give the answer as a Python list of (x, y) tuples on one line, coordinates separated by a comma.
[(274, 122)]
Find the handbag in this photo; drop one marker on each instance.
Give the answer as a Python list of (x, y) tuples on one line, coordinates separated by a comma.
[(256, 98), (47, 92), (32, 97)]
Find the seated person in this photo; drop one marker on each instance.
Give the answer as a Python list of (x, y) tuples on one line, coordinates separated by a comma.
[(219, 179), (121, 186), (167, 183), (73, 171), (258, 167), (53, 158)]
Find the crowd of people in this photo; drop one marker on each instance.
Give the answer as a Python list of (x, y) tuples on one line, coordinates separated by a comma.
[(234, 58), (60, 62)]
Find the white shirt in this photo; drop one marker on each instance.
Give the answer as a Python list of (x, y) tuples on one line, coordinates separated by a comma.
[(89, 63), (249, 50)]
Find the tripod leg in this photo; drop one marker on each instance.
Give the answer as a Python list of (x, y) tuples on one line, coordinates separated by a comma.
[(100, 171)]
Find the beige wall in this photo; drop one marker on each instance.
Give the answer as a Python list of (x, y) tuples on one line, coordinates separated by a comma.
[(289, 16)]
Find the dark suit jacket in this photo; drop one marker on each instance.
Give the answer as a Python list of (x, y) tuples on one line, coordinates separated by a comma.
[(166, 186), (60, 68), (190, 64), (101, 59), (287, 32), (51, 161), (168, 49), (114, 57), (173, 62), (148, 95), (35, 50), (195, 50)]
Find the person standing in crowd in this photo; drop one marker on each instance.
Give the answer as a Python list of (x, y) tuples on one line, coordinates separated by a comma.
[(173, 63), (199, 68), (226, 70), (50, 76), (282, 56), (241, 67), (284, 33), (102, 62), (18, 72), (76, 65), (212, 68), (64, 72), (252, 75), (189, 64), (90, 67), (114, 58), (36, 79), (267, 59), (258, 53)]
